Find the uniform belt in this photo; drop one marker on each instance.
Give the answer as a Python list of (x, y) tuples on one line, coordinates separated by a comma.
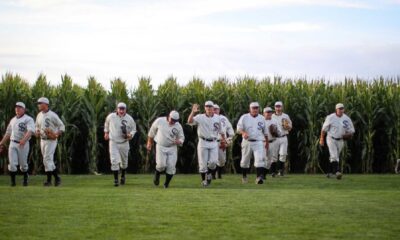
[(208, 139), (252, 140), (15, 141), (336, 138), (270, 141), (282, 136)]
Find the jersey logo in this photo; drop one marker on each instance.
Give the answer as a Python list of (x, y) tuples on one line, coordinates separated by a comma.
[(346, 124), (47, 122), (123, 126), (216, 127), (223, 121), (260, 126), (174, 133), (22, 127)]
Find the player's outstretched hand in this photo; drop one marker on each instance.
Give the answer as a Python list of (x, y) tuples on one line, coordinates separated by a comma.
[(195, 108)]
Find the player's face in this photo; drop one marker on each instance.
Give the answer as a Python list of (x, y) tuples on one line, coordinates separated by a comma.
[(340, 112), (209, 109), (172, 121), (121, 111), (254, 110), (216, 111), (278, 108), (268, 115), (19, 111), (43, 107)]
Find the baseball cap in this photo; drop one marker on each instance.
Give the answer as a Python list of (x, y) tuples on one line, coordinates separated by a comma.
[(339, 105), (43, 100), (216, 106), (20, 104), (254, 105), (121, 105), (268, 109), (278, 103), (174, 115), (209, 103)]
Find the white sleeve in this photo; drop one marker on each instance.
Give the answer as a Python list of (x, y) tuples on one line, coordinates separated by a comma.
[(240, 126), (153, 129), (60, 125), (181, 136), (327, 124), (229, 130), (31, 125), (133, 125), (196, 120), (107, 124), (9, 129), (351, 126)]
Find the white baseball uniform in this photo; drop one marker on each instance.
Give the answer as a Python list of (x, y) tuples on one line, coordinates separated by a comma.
[(165, 136), (17, 155), (282, 142), (208, 129), (273, 149), (49, 120), (256, 130), (229, 133), (336, 127), (119, 145)]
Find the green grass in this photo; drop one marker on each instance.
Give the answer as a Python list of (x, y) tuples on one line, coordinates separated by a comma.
[(293, 207)]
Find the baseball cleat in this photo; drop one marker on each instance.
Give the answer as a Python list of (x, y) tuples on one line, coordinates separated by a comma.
[(156, 180), (245, 180), (339, 175), (116, 184), (47, 184), (209, 177), (280, 174), (166, 185), (57, 182), (122, 182), (259, 180), (204, 183), (273, 174), (24, 183)]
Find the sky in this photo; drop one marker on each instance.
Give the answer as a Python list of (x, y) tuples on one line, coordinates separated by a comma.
[(206, 39)]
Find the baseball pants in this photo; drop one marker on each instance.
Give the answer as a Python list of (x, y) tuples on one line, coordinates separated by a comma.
[(252, 148), (18, 155), (282, 145), (166, 158), (221, 157), (335, 147), (207, 157), (119, 155), (272, 154), (48, 147)]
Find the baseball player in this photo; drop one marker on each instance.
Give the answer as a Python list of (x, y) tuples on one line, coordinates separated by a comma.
[(48, 127), (119, 128), (208, 128), (285, 124), (229, 133), (167, 132), (337, 127), (255, 140), (274, 132), (19, 132)]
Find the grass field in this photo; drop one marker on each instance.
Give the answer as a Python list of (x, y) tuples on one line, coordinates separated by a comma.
[(292, 207)]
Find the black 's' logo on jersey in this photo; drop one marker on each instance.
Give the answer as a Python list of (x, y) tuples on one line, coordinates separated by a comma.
[(22, 127), (174, 133), (47, 122), (217, 127), (260, 126)]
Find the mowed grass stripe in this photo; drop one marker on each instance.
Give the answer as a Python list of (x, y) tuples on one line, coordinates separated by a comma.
[(293, 207)]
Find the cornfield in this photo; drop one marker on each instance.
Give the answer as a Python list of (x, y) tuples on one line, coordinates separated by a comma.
[(373, 105)]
